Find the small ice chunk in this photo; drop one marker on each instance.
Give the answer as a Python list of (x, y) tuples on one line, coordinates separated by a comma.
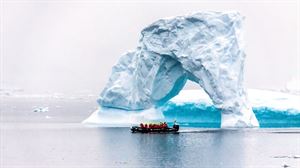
[(285, 165), (48, 117), (41, 109), (296, 156)]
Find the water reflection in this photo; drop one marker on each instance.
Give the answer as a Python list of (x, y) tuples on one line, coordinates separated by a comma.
[(201, 148), (163, 150)]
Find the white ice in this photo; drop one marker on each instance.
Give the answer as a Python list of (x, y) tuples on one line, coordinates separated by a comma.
[(258, 99), (205, 47)]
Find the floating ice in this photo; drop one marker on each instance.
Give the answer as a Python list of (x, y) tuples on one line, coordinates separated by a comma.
[(272, 109), (204, 47), (48, 117), (296, 156), (41, 109), (194, 108)]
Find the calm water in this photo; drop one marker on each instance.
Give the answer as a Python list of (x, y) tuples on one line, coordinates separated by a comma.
[(30, 139)]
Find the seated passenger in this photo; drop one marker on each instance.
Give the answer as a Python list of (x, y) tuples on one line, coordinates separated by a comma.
[(161, 125), (165, 125)]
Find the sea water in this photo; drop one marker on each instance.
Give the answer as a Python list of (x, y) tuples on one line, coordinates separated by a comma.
[(31, 139)]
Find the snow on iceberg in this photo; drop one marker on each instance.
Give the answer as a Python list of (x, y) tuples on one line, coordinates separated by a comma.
[(204, 47)]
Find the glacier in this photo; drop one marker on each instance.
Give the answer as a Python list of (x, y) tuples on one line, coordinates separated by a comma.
[(204, 47)]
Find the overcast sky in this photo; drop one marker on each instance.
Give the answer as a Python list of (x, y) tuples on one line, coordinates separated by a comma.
[(68, 46)]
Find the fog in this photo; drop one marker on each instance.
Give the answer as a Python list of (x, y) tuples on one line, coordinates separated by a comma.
[(69, 46)]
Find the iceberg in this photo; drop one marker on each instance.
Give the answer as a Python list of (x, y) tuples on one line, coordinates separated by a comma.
[(194, 108), (273, 109), (204, 47)]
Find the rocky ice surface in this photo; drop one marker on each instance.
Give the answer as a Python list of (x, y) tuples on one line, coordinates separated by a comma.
[(205, 47)]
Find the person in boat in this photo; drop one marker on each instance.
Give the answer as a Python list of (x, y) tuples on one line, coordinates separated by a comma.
[(175, 126), (161, 125), (165, 125)]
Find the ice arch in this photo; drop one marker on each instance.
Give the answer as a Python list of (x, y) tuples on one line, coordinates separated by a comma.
[(203, 47)]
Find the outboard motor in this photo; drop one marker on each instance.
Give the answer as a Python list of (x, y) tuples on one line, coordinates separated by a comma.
[(175, 126)]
